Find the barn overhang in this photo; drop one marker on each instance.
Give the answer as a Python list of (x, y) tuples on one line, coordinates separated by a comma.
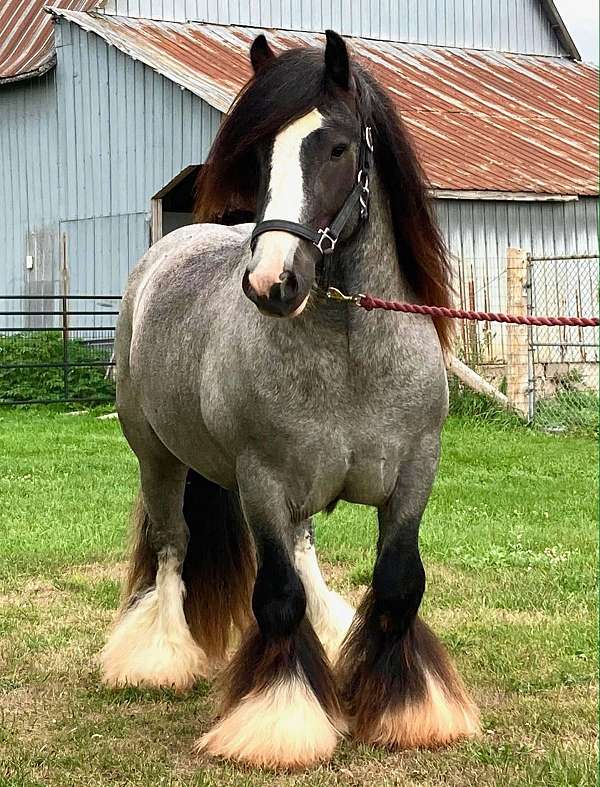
[(27, 50), (481, 121)]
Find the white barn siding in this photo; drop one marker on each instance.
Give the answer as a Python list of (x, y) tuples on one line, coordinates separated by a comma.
[(28, 187), (505, 25), (125, 132)]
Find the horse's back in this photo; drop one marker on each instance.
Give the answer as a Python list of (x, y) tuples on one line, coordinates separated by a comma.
[(197, 250)]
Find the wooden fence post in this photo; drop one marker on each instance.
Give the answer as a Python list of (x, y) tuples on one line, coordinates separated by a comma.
[(517, 367)]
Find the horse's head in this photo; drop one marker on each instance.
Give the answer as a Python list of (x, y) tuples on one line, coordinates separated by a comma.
[(291, 150), (306, 172)]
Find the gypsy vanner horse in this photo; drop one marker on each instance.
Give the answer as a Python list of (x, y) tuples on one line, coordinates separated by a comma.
[(252, 403)]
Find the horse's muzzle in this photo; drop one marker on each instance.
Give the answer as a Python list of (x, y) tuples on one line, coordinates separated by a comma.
[(285, 298)]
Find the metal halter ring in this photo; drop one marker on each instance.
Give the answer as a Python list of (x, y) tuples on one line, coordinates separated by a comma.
[(369, 138)]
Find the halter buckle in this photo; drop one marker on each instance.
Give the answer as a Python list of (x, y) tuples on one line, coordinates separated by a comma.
[(369, 138), (325, 235)]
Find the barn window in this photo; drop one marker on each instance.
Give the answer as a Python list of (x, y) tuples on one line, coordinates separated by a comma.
[(173, 206)]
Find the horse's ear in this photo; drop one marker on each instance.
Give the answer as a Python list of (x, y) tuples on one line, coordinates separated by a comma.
[(337, 62), (260, 53)]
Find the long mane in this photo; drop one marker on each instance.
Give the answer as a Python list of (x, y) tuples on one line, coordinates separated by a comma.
[(287, 88)]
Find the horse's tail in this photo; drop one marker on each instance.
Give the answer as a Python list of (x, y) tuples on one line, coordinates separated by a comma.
[(219, 566)]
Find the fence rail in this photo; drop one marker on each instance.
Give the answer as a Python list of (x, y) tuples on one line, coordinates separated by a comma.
[(57, 348)]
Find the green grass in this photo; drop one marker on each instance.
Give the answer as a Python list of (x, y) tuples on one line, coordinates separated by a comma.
[(509, 543)]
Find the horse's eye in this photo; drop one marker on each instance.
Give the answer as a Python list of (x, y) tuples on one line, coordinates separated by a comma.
[(338, 151)]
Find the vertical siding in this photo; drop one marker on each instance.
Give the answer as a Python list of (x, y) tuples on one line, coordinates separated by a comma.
[(28, 186), (125, 132), (478, 235), (506, 25)]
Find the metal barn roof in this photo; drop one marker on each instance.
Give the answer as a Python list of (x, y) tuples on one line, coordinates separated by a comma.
[(484, 121), (27, 38)]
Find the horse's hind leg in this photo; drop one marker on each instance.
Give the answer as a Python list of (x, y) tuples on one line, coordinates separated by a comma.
[(400, 685), (151, 643), (329, 614), (280, 707)]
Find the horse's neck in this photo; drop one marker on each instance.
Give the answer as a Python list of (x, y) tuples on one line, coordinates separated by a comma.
[(370, 264)]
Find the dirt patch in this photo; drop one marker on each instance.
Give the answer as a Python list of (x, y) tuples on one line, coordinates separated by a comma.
[(96, 572), (39, 592)]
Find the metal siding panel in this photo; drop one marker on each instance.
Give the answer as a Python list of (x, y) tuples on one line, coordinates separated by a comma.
[(148, 121), (158, 138), (84, 125), (589, 218), (113, 106), (28, 184), (468, 24), (121, 186), (511, 25)]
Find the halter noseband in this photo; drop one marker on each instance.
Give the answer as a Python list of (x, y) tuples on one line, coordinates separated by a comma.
[(326, 239)]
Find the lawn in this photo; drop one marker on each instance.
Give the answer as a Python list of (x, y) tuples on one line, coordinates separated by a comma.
[(509, 543)]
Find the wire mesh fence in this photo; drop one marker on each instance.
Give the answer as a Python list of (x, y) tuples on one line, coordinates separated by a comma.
[(549, 373), (563, 361), (57, 348)]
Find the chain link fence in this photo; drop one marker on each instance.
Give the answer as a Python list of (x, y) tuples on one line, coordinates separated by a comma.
[(550, 374), (563, 361)]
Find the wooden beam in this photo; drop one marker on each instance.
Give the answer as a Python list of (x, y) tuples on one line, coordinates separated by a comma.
[(474, 381), (517, 361)]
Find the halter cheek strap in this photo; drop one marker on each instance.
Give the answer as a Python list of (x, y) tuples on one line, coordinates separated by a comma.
[(325, 239)]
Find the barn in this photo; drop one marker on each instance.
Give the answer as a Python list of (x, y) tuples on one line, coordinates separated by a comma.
[(107, 109)]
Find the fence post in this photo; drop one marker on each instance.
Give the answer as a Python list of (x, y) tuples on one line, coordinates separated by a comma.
[(517, 361)]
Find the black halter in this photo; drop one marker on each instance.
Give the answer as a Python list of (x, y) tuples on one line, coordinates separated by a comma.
[(326, 239)]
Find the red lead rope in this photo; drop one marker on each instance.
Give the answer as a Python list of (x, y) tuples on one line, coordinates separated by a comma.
[(368, 302)]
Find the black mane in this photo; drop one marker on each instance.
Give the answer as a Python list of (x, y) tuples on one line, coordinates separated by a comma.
[(285, 89)]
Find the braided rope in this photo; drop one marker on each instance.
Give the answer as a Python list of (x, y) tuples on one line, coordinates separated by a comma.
[(368, 302)]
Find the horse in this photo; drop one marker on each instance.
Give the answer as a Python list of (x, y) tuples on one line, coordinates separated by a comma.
[(252, 403)]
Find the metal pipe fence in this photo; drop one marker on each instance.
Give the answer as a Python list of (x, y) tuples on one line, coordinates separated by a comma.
[(57, 348)]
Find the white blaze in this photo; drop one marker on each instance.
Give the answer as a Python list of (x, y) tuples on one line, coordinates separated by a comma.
[(286, 200)]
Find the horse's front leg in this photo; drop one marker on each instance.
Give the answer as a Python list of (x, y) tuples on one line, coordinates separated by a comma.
[(400, 686), (280, 707)]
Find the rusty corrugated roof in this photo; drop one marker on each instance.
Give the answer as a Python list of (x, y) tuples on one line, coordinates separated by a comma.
[(485, 121), (26, 37)]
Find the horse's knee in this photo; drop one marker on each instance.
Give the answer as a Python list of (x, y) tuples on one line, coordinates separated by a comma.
[(278, 600)]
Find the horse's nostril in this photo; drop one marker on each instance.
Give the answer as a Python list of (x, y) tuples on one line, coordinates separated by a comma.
[(246, 286), (289, 285)]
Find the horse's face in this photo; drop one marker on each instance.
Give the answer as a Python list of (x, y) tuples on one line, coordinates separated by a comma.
[(307, 172)]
